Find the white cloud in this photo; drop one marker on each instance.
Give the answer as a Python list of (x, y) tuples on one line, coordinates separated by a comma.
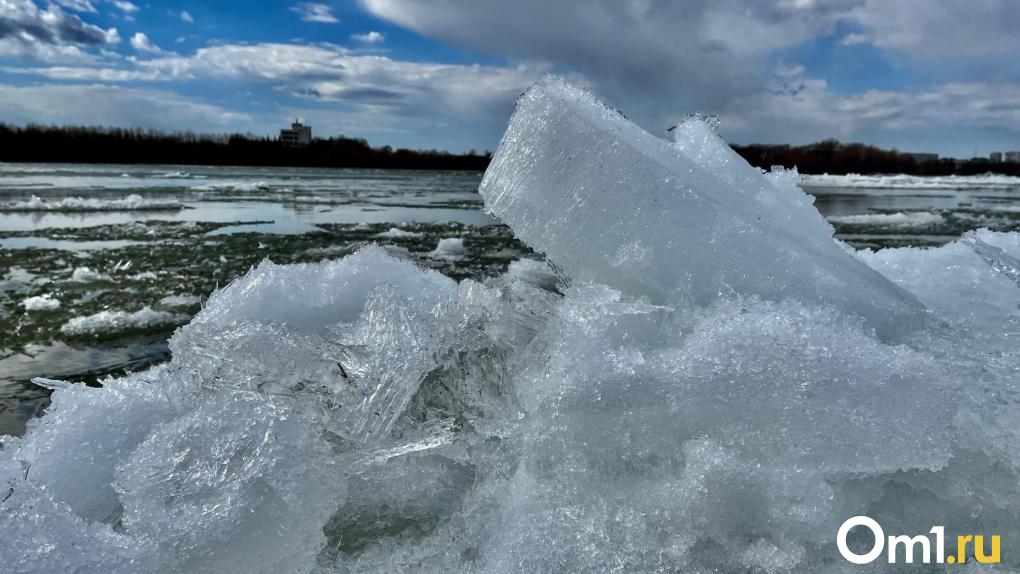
[(372, 37), (78, 5), (379, 94), (186, 16), (125, 7), (854, 39), (657, 59), (113, 106), (398, 102), (949, 118), (90, 74), (142, 43), (314, 12), (27, 31), (333, 73), (953, 29)]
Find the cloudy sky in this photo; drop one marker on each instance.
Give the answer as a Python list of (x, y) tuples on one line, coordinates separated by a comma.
[(938, 76)]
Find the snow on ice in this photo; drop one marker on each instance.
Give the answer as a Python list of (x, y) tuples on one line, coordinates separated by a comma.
[(113, 322), (44, 302)]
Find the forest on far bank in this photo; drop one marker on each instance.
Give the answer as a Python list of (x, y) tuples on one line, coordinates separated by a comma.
[(74, 144), (132, 146)]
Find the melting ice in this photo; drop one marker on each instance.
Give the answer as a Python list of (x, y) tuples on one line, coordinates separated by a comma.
[(701, 380)]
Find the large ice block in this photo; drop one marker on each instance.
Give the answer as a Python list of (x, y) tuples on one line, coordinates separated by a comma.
[(609, 202)]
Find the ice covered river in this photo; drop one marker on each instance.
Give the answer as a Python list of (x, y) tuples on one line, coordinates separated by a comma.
[(129, 252), (367, 374)]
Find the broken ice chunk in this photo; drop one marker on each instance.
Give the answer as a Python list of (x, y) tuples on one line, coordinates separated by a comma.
[(355, 336), (996, 258), (608, 202), (450, 248), (239, 484)]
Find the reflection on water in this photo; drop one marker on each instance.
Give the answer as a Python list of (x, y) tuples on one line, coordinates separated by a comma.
[(21, 400)]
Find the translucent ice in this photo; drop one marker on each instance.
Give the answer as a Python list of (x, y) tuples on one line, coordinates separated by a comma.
[(609, 202), (654, 399)]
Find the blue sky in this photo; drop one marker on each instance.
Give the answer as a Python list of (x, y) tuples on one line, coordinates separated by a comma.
[(938, 76)]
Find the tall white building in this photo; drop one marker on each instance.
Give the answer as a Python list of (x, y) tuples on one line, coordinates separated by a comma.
[(298, 135), (1013, 156)]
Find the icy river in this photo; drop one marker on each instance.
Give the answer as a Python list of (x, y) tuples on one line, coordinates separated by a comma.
[(367, 372), (88, 241)]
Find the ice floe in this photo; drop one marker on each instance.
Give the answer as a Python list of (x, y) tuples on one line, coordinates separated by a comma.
[(115, 322), (133, 202)]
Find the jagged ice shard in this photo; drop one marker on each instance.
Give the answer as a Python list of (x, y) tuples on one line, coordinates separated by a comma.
[(704, 381), (609, 202)]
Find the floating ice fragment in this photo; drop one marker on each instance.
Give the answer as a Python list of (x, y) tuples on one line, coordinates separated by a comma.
[(51, 384), (113, 322), (44, 302), (133, 202), (182, 300), (949, 182), (397, 233), (449, 248), (912, 219), (86, 275)]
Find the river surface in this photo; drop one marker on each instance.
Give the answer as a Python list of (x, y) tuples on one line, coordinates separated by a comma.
[(100, 263)]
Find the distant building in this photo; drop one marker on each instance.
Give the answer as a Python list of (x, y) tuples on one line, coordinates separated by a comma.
[(298, 135), (924, 157), (995, 157), (1013, 156)]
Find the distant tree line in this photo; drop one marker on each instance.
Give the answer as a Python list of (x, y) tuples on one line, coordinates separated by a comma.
[(35, 143), (832, 156)]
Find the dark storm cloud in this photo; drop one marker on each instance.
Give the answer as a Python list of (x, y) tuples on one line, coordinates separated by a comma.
[(708, 54), (702, 53)]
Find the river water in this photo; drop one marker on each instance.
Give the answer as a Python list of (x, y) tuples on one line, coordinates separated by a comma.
[(98, 264)]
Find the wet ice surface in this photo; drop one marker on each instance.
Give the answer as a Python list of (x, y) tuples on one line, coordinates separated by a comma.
[(689, 386)]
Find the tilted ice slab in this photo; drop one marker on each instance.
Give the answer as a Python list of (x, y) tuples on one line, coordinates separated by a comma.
[(608, 202), (367, 415)]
